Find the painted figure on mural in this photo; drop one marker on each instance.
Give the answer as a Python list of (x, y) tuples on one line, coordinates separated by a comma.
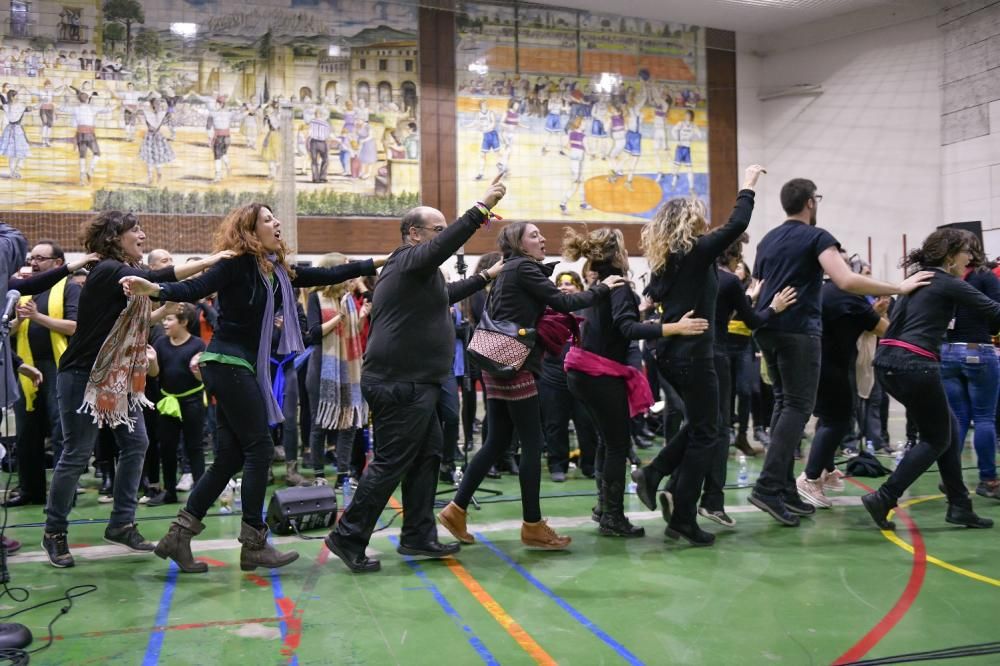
[(683, 134), (14, 142), (46, 109), (155, 150)]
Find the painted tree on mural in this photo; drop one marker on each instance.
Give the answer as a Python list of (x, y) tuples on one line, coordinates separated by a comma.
[(113, 34), (125, 12), (148, 47)]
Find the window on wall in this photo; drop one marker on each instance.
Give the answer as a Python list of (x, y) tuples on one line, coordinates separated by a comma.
[(383, 65), (364, 92), (19, 19), (384, 92), (362, 64), (408, 65)]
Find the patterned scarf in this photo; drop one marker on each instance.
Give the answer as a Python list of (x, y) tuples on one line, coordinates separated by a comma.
[(340, 403), (118, 379)]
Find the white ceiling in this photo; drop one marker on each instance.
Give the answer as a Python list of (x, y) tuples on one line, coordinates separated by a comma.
[(754, 16)]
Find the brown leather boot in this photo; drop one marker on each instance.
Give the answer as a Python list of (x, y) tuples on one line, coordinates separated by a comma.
[(540, 535), (176, 543), (452, 517), (257, 552), (292, 476)]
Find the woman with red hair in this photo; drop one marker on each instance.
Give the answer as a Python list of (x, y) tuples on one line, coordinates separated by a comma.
[(253, 287)]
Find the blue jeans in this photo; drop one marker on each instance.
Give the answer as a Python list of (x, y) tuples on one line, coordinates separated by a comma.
[(79, 439), (972, 382)]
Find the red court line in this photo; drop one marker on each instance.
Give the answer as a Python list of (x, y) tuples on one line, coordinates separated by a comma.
[(906, 599), (173, 627)]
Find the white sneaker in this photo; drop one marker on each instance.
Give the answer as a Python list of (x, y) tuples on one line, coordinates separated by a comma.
[(811, 492), (185, 483), (833, 480), (320, 481)]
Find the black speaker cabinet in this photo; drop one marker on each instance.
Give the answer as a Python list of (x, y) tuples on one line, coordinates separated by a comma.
[(310, 508), (975, 227)]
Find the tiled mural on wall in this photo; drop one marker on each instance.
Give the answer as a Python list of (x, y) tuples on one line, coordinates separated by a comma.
[(174, 106), (591, 117)]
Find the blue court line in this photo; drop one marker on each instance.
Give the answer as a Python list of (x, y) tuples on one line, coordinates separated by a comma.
[(155, 643), (562, 603), (278, 593), (476, 643)]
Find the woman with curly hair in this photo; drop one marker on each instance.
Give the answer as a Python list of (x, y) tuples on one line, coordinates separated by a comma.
[(908, 363), (253, 286), (682, 257), (598, 373), (102, 376)]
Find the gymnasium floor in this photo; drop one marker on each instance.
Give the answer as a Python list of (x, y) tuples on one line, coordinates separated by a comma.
[(835, 589)]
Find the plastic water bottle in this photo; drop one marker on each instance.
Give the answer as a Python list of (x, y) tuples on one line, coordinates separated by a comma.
[(898, 456), (238, 495), (630, 489), (869, 447), (348, 492), (226, 499), (743, 477), (456, 476)]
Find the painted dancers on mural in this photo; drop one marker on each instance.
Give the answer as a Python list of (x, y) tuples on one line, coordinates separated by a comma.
[(130, 100), (155, 150), (14, 142), (661, 146), (576, 150), (486, 123), (84, 119), (683, 134), (508, 130), (47, 109)]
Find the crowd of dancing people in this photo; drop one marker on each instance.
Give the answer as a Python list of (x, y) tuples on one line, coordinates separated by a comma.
[(373, 369)]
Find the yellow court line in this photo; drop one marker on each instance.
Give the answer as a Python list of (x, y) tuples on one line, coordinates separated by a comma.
[(891, 536), (493, 607)]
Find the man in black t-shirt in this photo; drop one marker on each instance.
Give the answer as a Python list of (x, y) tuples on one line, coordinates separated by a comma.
[(796, 254), (46, 321)]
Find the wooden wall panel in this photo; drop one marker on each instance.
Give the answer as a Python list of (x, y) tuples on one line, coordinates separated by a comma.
[(723, 166)]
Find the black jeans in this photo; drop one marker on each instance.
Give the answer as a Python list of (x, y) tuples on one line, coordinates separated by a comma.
[(742, 377), (244, 440), (448, 412), (31, 428), (834, 405), (408, 449), (505, 418), (793, 361), (689, 454), (470, 403), (606, 401), (192, 425), (713, 497), (923, 395), (558, 407)]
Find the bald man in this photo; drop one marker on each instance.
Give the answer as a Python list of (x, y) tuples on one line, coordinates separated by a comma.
[(409, 357), (158, 259)]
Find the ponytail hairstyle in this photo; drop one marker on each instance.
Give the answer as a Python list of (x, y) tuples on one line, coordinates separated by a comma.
[(601, 246), (673, 231), (333, 291), (937, 249)]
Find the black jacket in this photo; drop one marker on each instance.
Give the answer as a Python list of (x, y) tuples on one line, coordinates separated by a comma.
[(242, 297), (611, 324), (523, 290)]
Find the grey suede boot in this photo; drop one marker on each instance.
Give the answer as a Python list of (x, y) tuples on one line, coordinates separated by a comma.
[(176, 543), (257, 552)]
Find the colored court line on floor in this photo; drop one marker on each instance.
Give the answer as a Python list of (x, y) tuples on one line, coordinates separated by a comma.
[(291, 622), (935, 560), (918, 571), (155, 644), (588, 624), (173, 627), (496, 611)]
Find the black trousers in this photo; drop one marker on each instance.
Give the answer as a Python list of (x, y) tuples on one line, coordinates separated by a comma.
[(319, 158), (407, 448), (606, 400), (923, 395), (505, 418), (244, 442), (558, 407), (793, 361), (449, 413), (713, 497), (834, 399), (688, 454), (742, 377), (470, 403), (192, 425)]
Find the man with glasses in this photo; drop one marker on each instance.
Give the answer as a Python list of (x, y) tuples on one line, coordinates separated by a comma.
[(44, 324), (409, 356), (797, 254)]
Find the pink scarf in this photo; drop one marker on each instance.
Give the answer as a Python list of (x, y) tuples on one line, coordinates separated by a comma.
[(555, 329), (640, 398)]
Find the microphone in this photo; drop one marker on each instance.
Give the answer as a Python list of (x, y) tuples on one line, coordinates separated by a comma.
[(13, 296), (460, 264)]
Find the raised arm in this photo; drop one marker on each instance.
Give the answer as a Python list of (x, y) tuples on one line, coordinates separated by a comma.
[(715, 242)]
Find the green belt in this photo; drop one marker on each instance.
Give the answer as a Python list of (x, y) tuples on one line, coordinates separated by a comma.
[(170, 404)]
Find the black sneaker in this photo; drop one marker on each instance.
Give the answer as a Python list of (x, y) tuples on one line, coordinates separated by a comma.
[(878, 508), (693, 534), (775, 506), (965, 516), (720, 517), (129, 537), (798, 507), (57, 549)]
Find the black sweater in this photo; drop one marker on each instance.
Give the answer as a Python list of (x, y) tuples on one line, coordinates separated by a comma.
[(101, 301), (242, 298), (412, 335), (523, 290), (691, 282), (921, 318), (612, 323), (969, 325), (732, 299)]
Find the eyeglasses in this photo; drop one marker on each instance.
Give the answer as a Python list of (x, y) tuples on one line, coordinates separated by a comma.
[(39, 258), (817, 198), (436, 228)]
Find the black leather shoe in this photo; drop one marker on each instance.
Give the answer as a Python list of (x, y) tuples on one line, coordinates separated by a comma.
[(431, 549), (693, 534), (878, 508), (493, 473), (356, 563), (647, 480), (796, 506), (641, 443), (775, 506), (21, 500), (964, 515)]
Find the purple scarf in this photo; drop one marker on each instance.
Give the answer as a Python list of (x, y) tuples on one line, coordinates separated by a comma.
[(291, 336)]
